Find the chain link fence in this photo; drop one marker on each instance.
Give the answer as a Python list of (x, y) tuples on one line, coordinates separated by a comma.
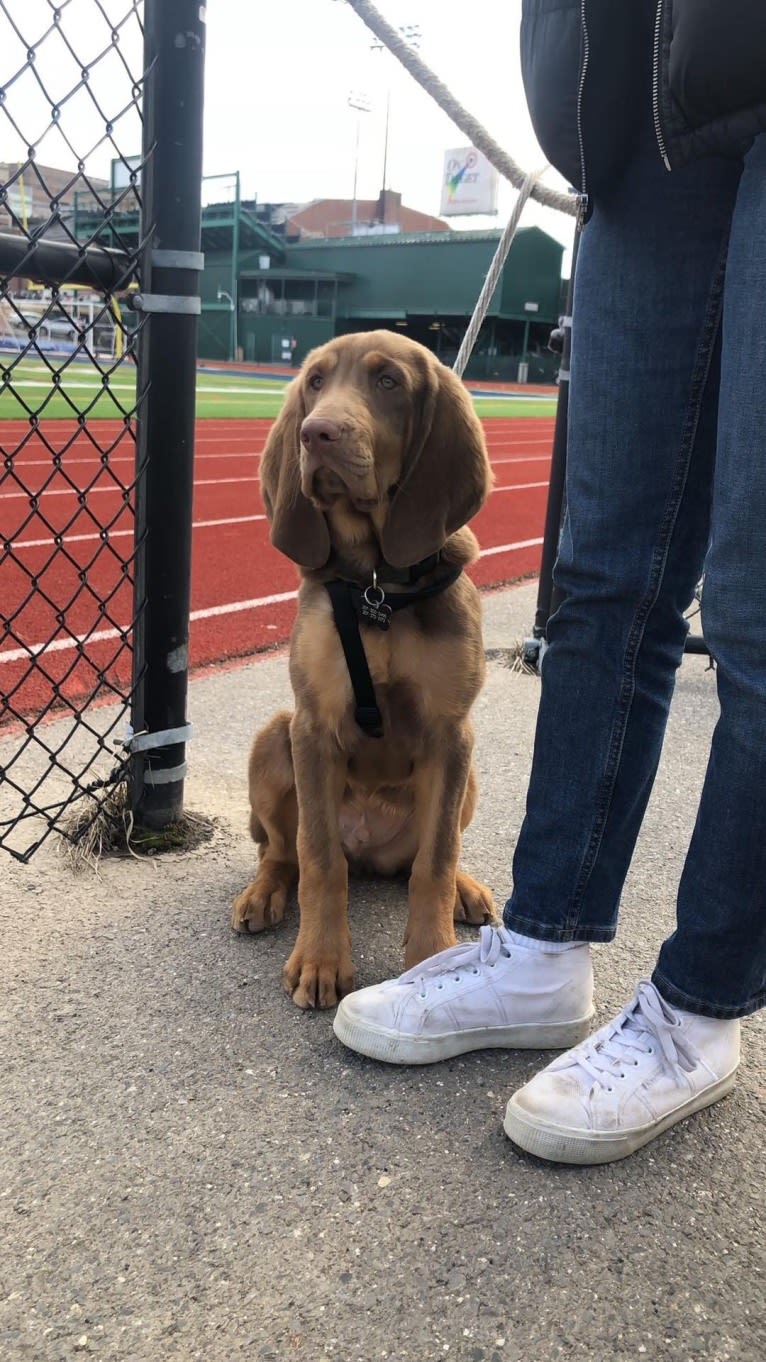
[(76, 236)]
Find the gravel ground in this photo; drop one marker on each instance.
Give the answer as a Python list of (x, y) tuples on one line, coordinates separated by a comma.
[(191, 1168)]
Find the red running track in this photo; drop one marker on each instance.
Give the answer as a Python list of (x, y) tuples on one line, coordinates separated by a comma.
[(243, 592)]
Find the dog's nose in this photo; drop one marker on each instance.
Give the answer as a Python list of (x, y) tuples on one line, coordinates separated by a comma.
[(317, 431)]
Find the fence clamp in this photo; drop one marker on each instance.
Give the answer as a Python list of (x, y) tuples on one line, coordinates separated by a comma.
[(178, 260), (167, 777), (152, 742), (166, 302)]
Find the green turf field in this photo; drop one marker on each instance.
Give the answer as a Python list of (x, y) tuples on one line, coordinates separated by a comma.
[(29, 387)]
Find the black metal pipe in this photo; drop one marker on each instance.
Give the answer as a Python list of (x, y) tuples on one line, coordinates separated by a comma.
[(58, 263), (555, 503), (548, 598), (169, 295), (695, 644)]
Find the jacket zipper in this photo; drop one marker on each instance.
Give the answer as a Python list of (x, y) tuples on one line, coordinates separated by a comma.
[(582, 198), (656, 88)]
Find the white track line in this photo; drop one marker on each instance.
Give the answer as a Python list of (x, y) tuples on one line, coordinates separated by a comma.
[(98, 389), (522, 458), (507, 548), (205, 524), (76, 492), (61, 645), (198, 482), (122, 534), (519, 487), (68, 464), (93, 459), (122, 462)]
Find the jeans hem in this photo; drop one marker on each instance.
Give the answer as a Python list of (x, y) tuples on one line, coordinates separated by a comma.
[(544, 931), (677, 998)]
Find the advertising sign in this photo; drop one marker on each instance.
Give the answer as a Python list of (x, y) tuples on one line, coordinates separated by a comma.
[(469, 183)]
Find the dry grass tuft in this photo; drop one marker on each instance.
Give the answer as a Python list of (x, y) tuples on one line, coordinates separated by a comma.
[(87, 836)]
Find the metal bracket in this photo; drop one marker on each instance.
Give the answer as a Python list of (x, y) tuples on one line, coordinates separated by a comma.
[(167, 777), (152, 742), (533, 651), (178, 260), (166, 302)]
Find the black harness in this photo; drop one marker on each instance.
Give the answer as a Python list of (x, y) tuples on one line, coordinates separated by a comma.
[(354, 605)]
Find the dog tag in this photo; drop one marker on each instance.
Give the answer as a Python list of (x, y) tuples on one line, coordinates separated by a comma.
[(376, 614), (375, 611)]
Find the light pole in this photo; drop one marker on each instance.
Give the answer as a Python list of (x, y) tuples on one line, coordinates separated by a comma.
[(233, 330), (412, 35), (361, 102)]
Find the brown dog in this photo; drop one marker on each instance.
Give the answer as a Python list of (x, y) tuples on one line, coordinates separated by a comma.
[(368, 476)]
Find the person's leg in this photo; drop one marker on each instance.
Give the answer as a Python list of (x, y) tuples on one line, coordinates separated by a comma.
[(675, 1048), (715, 962), (641, 448)]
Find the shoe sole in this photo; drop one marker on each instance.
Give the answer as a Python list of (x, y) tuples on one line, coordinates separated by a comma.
[(393, 1048), (561, 1145)]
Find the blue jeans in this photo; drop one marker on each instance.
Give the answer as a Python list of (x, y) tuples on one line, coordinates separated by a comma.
[(666, 475)]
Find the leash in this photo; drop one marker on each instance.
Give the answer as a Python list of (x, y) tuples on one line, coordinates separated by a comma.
[(354, 605)]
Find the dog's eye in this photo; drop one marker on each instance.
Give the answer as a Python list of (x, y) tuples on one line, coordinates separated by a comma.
[(316, 381), (386, 381)]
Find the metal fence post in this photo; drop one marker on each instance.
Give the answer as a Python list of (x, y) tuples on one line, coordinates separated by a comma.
[(547, 599), (171, 263)]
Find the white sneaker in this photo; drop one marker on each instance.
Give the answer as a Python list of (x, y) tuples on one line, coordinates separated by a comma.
[(650, 1067), (484, 995)]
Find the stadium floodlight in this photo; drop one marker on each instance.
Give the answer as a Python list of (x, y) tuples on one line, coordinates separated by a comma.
[(412, 35), (359, 101)]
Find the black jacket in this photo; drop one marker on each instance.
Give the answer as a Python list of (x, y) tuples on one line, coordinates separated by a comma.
[(593, 69)]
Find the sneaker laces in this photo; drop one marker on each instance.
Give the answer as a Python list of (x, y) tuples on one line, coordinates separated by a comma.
[(493, 943), (647, 1021)]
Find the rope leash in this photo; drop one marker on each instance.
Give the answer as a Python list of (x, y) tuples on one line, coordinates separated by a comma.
[(527, 184), (494, 272), (473, 129)]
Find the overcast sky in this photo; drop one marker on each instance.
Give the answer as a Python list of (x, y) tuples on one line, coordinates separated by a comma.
[(279, 75)]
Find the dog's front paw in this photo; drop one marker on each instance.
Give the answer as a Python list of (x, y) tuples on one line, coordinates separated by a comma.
[(262, 904), (318, 978), (473, 901)]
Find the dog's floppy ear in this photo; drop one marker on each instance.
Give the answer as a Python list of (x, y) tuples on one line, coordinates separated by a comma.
[(446, 476), (298, 529)]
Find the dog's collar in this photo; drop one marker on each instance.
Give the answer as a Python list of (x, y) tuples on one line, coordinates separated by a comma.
[(387, 575), (391, 576), (353, 605)]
